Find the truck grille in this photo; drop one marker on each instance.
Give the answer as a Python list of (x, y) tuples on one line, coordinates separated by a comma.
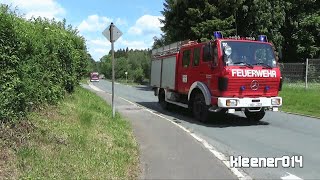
[(234, 87)]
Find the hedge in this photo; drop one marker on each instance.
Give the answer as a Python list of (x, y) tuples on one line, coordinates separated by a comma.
[(40, 61)]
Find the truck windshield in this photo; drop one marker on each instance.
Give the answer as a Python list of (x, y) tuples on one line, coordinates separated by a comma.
[(94, 75), (248, 54)]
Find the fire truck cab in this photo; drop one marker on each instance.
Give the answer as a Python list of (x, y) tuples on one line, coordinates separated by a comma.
[(223, 75)]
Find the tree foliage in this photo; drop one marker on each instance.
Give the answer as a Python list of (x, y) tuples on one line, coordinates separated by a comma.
[(135, 62), (40, 60), (293, 26)]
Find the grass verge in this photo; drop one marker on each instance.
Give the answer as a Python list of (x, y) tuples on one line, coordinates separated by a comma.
[(78, 139), (300, 100), (127, 82), (84, 80)]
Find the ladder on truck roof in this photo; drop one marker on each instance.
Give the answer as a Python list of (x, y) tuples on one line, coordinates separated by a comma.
[(171, 48)]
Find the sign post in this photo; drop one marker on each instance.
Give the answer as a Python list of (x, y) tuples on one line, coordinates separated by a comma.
[(112, 33), (126, 77)]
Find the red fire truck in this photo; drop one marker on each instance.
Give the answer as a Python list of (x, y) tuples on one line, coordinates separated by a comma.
[(223, 75), (94, 76)]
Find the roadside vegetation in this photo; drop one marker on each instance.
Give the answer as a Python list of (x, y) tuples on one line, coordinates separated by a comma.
[(300, 100), (84, 80), (135, 62), (76, 139), (50, 128), (40, 61)]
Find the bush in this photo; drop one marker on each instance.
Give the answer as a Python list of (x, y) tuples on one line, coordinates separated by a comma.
[(40, 60), (138, 75)]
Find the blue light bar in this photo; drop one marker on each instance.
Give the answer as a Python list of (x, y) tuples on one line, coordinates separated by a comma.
[(262, 38), (242, 88), (217, 35)]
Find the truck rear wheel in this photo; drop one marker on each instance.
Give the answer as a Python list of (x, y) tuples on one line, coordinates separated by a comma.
[(255, 116), (162, 100), (199, 108)]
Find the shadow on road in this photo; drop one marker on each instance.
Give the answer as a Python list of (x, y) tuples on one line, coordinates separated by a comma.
[(144, 88), (216, 120)]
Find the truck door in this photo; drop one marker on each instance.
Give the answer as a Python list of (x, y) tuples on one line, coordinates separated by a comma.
[(183, 71), (194, 69), (208, 68)]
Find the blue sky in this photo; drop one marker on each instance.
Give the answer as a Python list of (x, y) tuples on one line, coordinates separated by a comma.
[(137, 19)]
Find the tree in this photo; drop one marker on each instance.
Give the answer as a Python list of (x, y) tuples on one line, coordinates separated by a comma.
[(302, 30), (135, 62), (293, 26), (195, 20)]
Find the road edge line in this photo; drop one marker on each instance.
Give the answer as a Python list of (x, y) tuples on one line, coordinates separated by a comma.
[(304, 115)]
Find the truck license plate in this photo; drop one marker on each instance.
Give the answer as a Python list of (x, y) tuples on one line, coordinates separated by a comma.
[(255, 104)]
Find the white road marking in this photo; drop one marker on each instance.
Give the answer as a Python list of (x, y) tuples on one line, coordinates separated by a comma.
[(241, 175), (291, 177), (95, 88)]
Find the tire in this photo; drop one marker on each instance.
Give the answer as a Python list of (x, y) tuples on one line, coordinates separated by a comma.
[(200, 109), (162, 100), (255, 116)]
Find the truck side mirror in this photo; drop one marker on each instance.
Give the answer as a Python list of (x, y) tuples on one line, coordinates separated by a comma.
[(215, 57), (226, 53), (207, 52), (210, 50)]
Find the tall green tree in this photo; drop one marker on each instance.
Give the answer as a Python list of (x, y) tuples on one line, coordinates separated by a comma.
[(196, 20), (291, 25), (302, 30), (255, 17)]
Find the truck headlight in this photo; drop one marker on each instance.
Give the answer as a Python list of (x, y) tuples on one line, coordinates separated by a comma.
[(276, 101), (231, 102)]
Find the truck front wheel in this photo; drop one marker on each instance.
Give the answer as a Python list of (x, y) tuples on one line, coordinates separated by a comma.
[(255, 116), (199, 108)]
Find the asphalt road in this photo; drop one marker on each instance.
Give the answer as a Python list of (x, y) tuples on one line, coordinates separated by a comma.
[(278, 134)]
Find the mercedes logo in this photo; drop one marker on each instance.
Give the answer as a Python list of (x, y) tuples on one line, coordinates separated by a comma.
[(254, 85)]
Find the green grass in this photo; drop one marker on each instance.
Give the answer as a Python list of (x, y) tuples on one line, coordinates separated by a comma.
[(79, 140), (84, 80), (299, 100)]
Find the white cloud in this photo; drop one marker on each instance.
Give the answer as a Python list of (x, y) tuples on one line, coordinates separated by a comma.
[(99, 42), (34, 8), (134, 44), (101, 51), (121, 22), (98, 47), (146, 25), (94, 23)]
